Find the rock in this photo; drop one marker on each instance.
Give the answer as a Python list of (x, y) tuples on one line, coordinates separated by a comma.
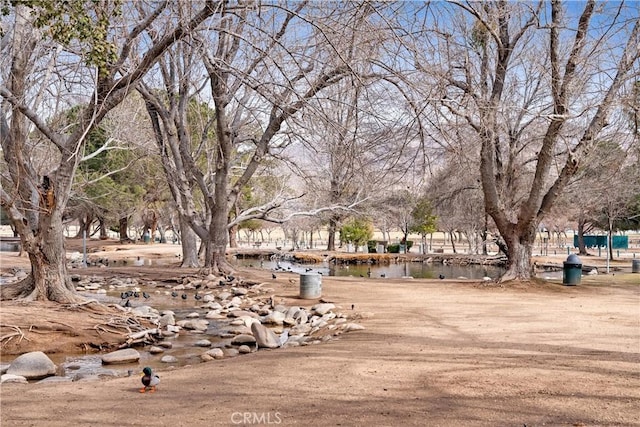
[(353, 327), (167, 319), (248, 321), (206, 357), (322, 309), (213, 306), (168, 359), (208, 298), (10, 378), (230, 352), (244, 349), (56, 380), (173, 329), (165, 344), (193, 315), (301, 316), (126, 355), (303, 328), (243, 339), (243, 313), (275, 318), (265, 338), (4, 367), (284, 336), (238, 330), (195, 325), (202, 343), (33, 365), (237, 301), (216, 353), (144, 311), (214, 315), (281, 308), (223, 296), (156, 350), (593, 272)]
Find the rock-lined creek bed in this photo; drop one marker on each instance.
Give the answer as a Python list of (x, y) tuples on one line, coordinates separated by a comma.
[(185, 321)]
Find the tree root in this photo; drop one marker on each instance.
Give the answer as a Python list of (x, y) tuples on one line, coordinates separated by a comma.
[(9, 337), (16, 290)]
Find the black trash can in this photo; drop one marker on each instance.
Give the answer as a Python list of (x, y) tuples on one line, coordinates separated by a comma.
[(572, 270)]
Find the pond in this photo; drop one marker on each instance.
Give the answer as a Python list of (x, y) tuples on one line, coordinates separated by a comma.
[(417, 270)]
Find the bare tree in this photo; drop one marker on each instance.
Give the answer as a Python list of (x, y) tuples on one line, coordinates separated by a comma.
[(96, 61), (535, 86), (264, 64)]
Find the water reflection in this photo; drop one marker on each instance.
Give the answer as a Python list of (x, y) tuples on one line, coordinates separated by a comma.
[(416, 270)]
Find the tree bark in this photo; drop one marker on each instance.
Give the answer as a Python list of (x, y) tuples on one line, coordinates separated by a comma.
[(103, 229), (519, 253), (189, 245), (49, 279), (582, 250), (332, 229), (123, 228), (233, 232)]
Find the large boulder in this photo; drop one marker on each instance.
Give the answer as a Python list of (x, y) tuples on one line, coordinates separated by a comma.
[(126, 355), (265, 338), (33, 365)]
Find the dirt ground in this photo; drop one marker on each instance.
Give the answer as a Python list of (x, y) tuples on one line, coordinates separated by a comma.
[(442, 353)]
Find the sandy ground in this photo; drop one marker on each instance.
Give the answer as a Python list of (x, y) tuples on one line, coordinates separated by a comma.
[(441, 353)]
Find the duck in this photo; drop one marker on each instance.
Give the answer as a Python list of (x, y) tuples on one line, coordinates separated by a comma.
[(149, 380)]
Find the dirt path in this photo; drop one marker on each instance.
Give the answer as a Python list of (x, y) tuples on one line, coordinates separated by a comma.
[(434, 353)]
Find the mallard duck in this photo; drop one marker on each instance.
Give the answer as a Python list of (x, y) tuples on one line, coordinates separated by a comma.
[(149, 380)]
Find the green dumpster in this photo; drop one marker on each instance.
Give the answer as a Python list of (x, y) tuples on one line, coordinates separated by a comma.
[(572, 270)]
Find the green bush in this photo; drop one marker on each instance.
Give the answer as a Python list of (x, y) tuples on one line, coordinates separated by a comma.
[(395, 249), (371, 246)]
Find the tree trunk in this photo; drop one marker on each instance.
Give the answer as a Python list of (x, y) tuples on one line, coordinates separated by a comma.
[(453, 241), (103, 229), (331, 241), (123, 227), (49, 279), (519, 247), (215, 252), (84, 225), (189, 246), (582, 250), (518, 261), (233, 232)]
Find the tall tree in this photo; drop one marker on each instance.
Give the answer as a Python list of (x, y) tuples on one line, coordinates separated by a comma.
[(264, 64), (535, 86), (77, 51)]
